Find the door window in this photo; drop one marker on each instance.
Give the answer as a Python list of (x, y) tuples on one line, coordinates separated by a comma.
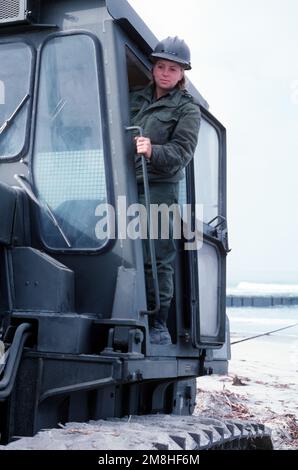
[(69, 164), (206, 167)]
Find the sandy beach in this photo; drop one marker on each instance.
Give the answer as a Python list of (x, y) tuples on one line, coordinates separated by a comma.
[(262, 381)]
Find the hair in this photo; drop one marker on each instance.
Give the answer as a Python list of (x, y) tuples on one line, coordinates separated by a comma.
[(181, 84)]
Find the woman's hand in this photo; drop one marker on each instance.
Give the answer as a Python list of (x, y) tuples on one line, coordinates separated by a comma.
[(144, 147)]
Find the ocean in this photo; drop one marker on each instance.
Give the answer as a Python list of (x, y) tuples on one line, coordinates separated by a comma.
[(250, 321)]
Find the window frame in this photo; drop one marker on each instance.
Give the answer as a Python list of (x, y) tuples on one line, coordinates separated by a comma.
[(99, 64), (29, 118), (199, 168), (198, 340), (221, 183)]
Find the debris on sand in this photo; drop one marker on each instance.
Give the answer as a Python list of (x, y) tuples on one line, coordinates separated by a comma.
[(237, 381), (224, 403)]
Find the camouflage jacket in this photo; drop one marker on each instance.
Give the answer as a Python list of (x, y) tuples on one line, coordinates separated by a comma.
[(172, 123)]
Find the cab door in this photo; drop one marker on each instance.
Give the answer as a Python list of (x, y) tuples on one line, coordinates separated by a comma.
[(208, 261)]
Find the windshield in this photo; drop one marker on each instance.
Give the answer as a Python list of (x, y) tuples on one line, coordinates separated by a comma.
[(69, 166), (15, 74)]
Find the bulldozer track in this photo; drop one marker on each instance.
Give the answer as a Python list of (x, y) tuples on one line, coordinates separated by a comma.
[(152, 432), (197, 433)]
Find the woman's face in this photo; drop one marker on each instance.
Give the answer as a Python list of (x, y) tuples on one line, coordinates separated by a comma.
[(167, 74)]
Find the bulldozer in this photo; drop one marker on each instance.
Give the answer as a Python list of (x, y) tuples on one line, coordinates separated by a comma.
[(74, 319)]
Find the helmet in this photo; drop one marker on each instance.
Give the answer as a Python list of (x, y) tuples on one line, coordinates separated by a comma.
[(173, 49)]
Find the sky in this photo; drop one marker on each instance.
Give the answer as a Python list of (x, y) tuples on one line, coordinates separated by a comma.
[(244, 59)]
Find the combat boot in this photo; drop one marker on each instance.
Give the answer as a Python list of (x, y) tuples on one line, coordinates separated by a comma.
[(159, 333)]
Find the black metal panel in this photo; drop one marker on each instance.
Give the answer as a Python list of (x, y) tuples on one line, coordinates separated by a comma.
[(39, 400), (23, 404), (7, 210), (5, 291), (40, 282), (70, 333), (21, 228), (132, 24)]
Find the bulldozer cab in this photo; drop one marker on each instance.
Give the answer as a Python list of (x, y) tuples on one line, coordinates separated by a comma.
[(69, 269)]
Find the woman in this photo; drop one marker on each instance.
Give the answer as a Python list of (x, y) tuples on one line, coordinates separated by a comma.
[(170, 118)]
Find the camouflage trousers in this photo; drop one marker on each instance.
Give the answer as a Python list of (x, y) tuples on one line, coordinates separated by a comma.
[(165, 249)]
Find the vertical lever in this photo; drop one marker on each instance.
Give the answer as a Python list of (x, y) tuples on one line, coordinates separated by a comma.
[(151, 241)]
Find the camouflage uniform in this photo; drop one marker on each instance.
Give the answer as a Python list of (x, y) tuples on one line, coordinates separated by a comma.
[(172, 124)]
